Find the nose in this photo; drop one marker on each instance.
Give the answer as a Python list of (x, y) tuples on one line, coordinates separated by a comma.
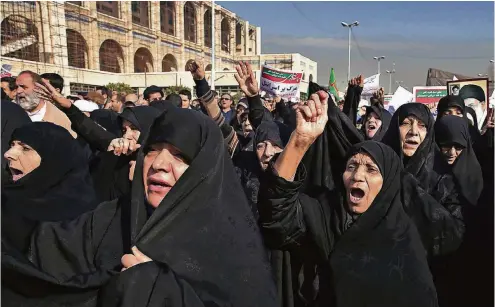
[(414, 128), (452, 151), (269, 150), (358, 174), (11, 154), (162, 162)]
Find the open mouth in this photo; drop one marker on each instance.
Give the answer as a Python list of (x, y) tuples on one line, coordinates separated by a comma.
[(411, 143), (16, 174), (159, 186), (356, 195), (371, 127)]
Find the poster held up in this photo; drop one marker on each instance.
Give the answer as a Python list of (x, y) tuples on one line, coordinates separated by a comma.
[(280, 82)]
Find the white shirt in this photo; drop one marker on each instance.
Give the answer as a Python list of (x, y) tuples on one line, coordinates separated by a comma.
[(38, 115)]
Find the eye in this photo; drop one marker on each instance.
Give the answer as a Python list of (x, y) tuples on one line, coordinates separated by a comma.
[(422, 125), (372, 170), (351, 167), (25, 148)]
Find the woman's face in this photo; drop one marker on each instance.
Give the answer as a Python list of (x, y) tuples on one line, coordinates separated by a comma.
[(451, 152), (163, 165), (412, 134), (363, 181), (456, 111), (22, 159), (246, 125), (265, 152), (373, 123), (129, 130)]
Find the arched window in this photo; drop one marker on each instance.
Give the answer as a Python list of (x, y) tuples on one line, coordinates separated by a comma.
[(77, 49), (111, 56), (225, 34), (190, 22), (169, 63), (207, 28), (167, 17), (143, 60), (19, 38)]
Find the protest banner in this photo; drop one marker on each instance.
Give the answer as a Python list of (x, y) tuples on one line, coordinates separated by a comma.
[(386, 99), (429, 94), (371, 85), (400, 97), (280, 82), (6, 70)]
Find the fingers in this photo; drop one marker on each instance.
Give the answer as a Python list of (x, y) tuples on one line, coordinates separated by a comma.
[(306, 111), (128, 260), (244, 69), (139, 255)]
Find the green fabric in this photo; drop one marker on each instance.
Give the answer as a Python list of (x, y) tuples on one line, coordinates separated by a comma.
[(332, 86)]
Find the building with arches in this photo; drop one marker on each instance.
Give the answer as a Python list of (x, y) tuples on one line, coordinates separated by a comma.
[(92, 43)]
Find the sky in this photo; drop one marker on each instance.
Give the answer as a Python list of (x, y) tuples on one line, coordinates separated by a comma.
[(454, 36)]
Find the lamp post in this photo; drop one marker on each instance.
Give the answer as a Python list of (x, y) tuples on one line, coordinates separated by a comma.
[(346, 25), (378, 58), (399, 83), (213, 66), (390, 72), (482, 75)]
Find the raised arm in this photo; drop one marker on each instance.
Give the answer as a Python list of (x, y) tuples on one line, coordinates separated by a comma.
[(352, 97)]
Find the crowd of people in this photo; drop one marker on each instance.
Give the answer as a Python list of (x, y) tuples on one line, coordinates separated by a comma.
[(116, 199)]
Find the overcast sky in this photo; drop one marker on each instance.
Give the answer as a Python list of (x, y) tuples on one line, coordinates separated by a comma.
[(451, 36)]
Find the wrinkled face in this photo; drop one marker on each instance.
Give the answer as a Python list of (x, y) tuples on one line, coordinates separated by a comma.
[(246, 125), (451, 152), (265, 152), (22, 159), (363, 181), (412, 134), (155, 97), (163, 166), (185, 101), (6, 89), (134, 133), (373, 123), (25, 96), (456, 111), (225, 102)]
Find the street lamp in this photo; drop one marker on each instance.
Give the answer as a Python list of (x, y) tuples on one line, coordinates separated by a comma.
[(399, 83), (378, 58), (390, 72), (482, 75), (491, 61), (346, 25)]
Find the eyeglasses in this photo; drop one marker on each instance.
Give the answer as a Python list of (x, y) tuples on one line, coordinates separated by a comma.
[(224, 98)]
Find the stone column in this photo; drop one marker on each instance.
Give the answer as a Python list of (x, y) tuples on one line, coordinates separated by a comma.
[(126, 15), (246, 38), (179, 13), (93, 40), (155, 23)]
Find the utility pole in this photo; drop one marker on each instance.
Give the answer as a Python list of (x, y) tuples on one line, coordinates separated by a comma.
[(346, 25), (390, 72), (213, 66)]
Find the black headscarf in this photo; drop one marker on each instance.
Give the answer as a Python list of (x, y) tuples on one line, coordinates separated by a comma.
[(108, 119), (472, 112), (420, 164), (378, 260), (384, 116), (110, 172), (222, 257), (205, 245), (13, 116), (273, 131), (450, 101), (466, 169), (59, 189)]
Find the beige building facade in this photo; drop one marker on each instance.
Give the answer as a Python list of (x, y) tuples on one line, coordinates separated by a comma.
[(139, 43)]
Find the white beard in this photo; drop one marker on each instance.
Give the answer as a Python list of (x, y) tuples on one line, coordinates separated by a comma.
[(28, 102)]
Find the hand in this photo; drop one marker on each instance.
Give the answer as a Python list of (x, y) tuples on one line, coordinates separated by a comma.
[(130, 260), (47, 92), (125, 145), (132, 167), (311, 118), (246, 79), (197, 70), (379, 94)]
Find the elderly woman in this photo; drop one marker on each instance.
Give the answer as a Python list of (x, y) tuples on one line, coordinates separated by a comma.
[(185, 237), (367, 249)]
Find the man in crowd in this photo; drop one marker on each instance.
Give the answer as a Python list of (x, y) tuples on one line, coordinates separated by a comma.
[(115, 104), (104, 92), (56, 81), (131, 100), (36, 107), (153, 93), (226, 107), (185, 95), (9, 88)]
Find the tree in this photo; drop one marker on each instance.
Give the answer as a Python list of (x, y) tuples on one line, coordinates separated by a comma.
[(176, 89), (120, 87)]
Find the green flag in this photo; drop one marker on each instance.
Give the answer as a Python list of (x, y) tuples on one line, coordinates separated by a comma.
[(332, 86)]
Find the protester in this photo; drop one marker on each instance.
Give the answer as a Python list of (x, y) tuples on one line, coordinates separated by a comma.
[(226, 107), (13, 117), (360, 220), (131, 100), (153, 93), (9, 88), (185, 95), (38, 108), (184, 183), (175, 99), (115, 103), (56, 80), (105, 92), (375, 123)]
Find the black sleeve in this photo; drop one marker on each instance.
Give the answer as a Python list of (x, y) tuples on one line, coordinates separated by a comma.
[(287, 114), (441, 226), (257, 112), (77, 252), (97, 137), (202, 87), (351, 102)]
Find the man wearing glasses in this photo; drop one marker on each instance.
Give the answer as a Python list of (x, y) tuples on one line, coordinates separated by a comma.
[(226, 107)]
